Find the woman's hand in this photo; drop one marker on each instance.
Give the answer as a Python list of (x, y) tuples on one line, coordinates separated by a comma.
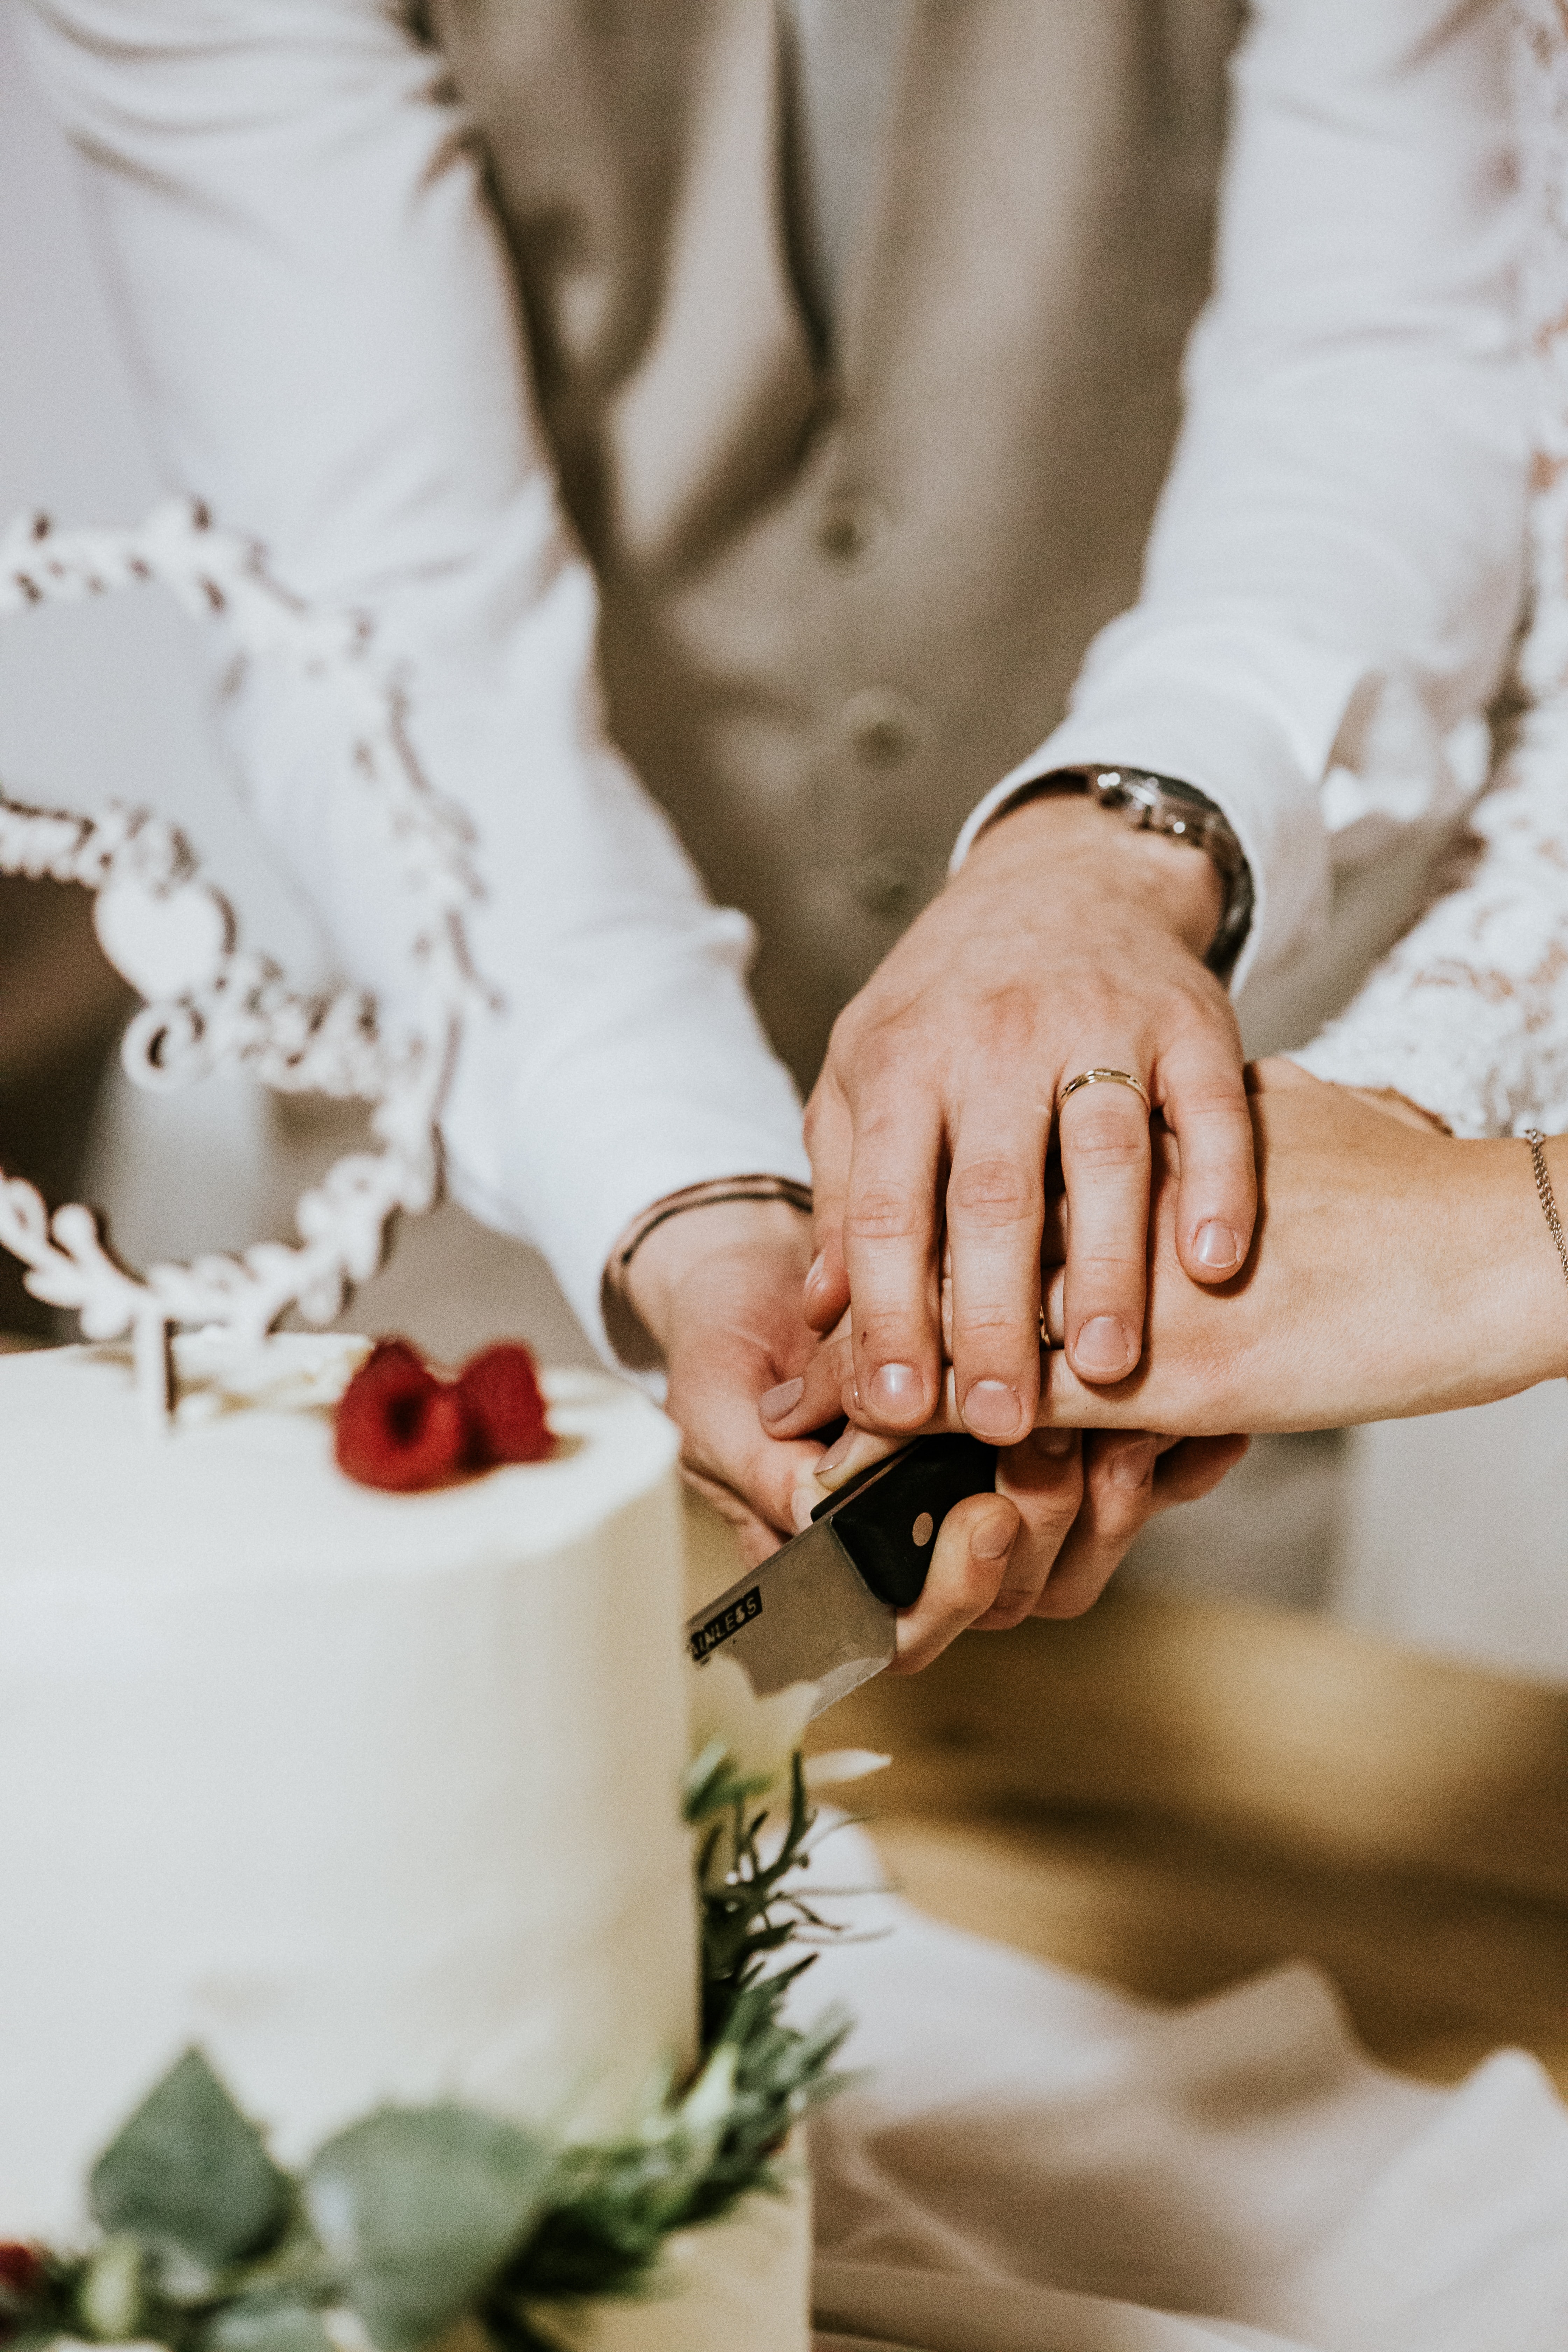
[(718, 1290), (1396, 1271)]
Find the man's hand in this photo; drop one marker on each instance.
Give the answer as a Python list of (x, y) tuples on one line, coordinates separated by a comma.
[(1066, 942)]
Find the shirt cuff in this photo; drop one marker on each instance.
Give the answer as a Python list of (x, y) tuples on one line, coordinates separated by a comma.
[(590, 1140)]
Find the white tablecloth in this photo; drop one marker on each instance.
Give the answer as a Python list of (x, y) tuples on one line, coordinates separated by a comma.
[(1036, 2163)]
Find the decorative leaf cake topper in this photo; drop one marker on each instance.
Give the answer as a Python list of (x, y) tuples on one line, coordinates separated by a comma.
[(210, 1004)]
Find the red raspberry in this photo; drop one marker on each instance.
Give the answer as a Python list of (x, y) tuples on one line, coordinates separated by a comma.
[(21, 2269), (499, 1391), (400, 1427)]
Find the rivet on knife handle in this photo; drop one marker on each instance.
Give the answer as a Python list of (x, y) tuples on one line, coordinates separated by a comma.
[(889, 1519)]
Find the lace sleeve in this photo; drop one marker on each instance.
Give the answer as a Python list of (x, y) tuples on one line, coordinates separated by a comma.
[(1469, 1014)]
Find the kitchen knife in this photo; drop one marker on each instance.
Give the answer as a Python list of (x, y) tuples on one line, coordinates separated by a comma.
[(822, 1609)]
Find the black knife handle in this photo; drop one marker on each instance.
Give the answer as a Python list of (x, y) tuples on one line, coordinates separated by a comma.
[(887, 1518)]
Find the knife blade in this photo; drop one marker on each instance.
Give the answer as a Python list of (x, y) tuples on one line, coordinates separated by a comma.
[(824, 1608)]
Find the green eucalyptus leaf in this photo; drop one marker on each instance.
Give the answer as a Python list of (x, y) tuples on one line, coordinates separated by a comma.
[(419, 2208), (189, 2168), (110, 2298), (266, 2326)]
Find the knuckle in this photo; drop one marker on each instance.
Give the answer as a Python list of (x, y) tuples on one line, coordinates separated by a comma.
[(884, 1212), (994, 1191), (844, 1038), (974, 1325), (1105, 1145), (881, 1056), (1008, 1019), (1007, 1612), (1104, 1268), (1211, 1103), (1047, 1520), (1120, 1511), (1117, 1522), (1073, 1596)]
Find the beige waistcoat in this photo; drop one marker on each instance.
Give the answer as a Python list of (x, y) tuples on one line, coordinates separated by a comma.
[(840, 601)]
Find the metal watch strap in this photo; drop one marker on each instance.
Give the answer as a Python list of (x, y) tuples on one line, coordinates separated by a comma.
[(1171, 806)]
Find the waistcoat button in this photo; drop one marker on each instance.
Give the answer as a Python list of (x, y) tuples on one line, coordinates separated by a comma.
[(849, 528), (889, 882), (880, 727)]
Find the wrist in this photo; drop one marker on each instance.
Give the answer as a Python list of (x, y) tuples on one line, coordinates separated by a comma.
[(1172, 883), (691, 1245), (1393, 1105), (1515, 1316)]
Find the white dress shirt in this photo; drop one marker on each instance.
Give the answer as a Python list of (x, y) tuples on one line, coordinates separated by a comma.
[(320, 308), (1336, 566), (1467, 1015)]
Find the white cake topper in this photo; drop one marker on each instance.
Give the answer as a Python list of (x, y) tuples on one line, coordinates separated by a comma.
[(209, 1003)]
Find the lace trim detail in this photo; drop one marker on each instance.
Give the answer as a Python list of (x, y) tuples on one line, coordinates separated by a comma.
[(1468, 1013)]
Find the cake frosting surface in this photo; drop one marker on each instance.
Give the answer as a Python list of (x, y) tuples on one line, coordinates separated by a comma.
[(372, 1796)]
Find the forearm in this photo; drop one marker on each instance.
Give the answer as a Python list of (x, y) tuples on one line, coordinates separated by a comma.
[(323, 319), (1335, 571)]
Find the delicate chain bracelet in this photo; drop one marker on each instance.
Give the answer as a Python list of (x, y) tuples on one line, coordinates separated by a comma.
[(708, 1195), (1546, 1196)]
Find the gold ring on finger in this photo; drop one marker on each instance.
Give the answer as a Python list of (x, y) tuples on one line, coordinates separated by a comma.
[(1047, 1343), (1098, 1077)]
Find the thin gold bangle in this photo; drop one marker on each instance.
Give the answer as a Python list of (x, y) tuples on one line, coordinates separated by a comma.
[(1545, 1195), (713, 1194)]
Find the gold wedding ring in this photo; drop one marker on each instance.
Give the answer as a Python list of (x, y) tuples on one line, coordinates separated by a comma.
[(1098, 1077), (1046, 1340)]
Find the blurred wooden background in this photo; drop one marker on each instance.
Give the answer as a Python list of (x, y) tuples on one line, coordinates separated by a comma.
[(1171, 1794)]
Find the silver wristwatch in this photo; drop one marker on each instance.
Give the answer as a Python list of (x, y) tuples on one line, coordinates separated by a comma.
[(1152, 803)]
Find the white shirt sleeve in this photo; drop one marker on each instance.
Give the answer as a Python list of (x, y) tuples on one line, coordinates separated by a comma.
[(1335, 568), (320, 312), (1468, 1013)]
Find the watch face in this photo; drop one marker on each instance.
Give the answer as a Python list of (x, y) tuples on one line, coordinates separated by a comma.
[(1174, 788)]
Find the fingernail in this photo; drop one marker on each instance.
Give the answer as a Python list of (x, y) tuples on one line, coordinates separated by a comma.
[(814, 1271), (803, 1502), (1056, 1445), (994, 1411), (1103, 1346), (1215, 1245), (1131, 1465), (897, 1389), (782, 1400), (835, 1453), (993, 1539)]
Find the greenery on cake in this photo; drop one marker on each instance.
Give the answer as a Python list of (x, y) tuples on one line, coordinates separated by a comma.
[(416, 2218)]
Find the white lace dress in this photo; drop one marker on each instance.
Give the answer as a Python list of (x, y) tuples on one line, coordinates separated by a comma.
[(1469, 1014)]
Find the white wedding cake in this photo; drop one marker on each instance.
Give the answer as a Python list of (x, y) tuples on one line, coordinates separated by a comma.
[(371, 1796)]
